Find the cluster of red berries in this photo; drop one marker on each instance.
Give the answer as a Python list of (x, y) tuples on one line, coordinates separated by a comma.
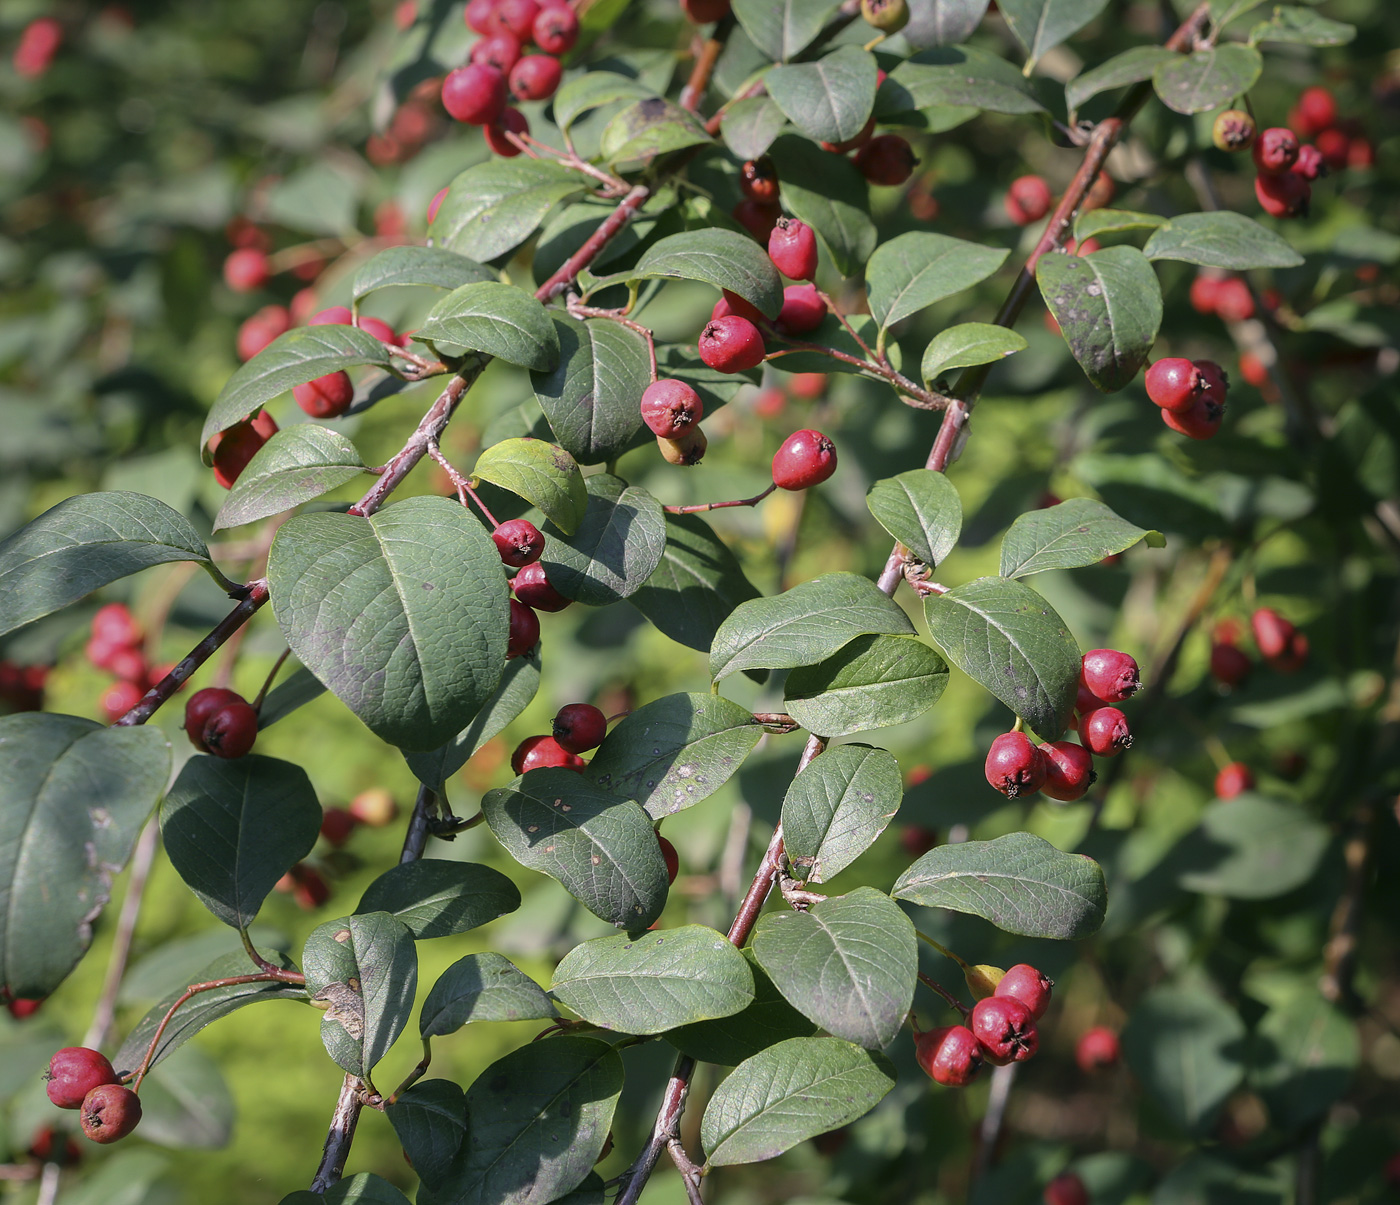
[(83, 1079), (1191, 394), (1063, 770), (116, 646), (1228, 297), (1280, 643), (221, 722), (22, 686), (1339, 141), (37, 46), (1000, 1030), (1286, 166)]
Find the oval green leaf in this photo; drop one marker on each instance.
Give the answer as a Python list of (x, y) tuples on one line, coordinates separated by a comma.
[(294, 466), (1207, 79), (783, 28), (914, 270), (435, 267), (837, 806), (749, 126), (433, 897), (495, 206), (648, 128), (593, 90), (1072, 534), (1250, 848), (966, 345), (874, 682), (921, 509), (1041, 25), (721, 258), (430, 1122), (482, 987), (960, 76), (497, 319), (616, 547), (1130, 67), (1301, 26), (544, 475), (1220, 240), (829, 100), (730, 1040)]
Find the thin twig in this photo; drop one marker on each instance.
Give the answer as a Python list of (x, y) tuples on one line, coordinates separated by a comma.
[(694, 91), (270, 679), (912, 394), (416, 838), (701, 506), (948, 998)]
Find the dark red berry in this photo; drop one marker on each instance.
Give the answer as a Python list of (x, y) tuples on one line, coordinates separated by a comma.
[(524, 630), (23, 1008), (538, 752), (579, 727), (1294, 657), (201, 707), (1275, 150), (1335, 146), (1069, 770), (246, 269), (670, 408), (792, 246), (863, 135), (519, 542), (380, 329), (515, 17), (500, 50), (75, 1071), (535, 77), (1005, 1028), (1015, 766), (1066, 1189), (757, 217), (1311, 165), (1173, 383), (326, 397), (1286, 195), (309, 889), (670, 857), (1315, 111), (475, 94), (53, 1146), (1097, 1049), (951, 1056), (1111, 675), (231, 731), (758, 180), (556, 29), (512, 122), (703, 12), (336, 826), (1030, 986), (1233, 779), (1201, 421), (532, 588), (731, 344), (1028, 200), (232, 449), (119, 698), (109, 1113), (1105, 732), (887, 160), (731, 303), (1229, 665), (807, 458), (803, 310)]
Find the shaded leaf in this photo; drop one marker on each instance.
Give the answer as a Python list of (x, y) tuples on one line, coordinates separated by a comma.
[(1250, 848), (410, 265), (722, 258), (1041, 25), (433, 897), (649, 127), (186, 1103), (577, 96), (1306, 1052), (294, 466), (966, 345), (731, 1040), (836, 807), (1301, 26), (616, 547), (430, 1122), (1067, 536), (482, 987), (956, 75), (364, 1188), (921, 509), (874, 682), (294, 691), (544, 475), (498, 319), (495, 206), (783, 28), (829, 100), (1130, 67), (945, 22), (914, 270), (1207, 79), (592, 398), (1220, 240), (750, 125)]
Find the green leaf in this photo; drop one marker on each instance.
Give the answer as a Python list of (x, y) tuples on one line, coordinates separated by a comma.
[(848, 964), (86, 542), (617, 546), (1074, 533), (538, 1121), (1220, 240), (1148, 489), (290, 360), (497, 319), (294, 466), (948, 22), (436, 898), (874, 682), (789, 1093), (921, 509), (696, 586), (430, 1122), (1005, 636), (544, 475), (731, 1040), (959, 76), (602, 849), (364, 1188), (1207, 79), (912, 271), (1109, 306), (649, 128), (73, 797), (403, 615), (654, 982), (518, 686), (1114, 221), (1250, 848), (590, 91), (482, 987), (410, 265), (186, 1103), (592, 397), (1306, 1051), (1041, 25), (1301, 26), (836, 807), (828, 193), (675, 751), (966, 345), (1222, 12), (1130, 67), (233, 826), (783, 28), (1020, 883), (749, 126), (721, 258), (829, 100), (804, 625), (1186, 1047), (495, 206), (296, 690), (365, 969)]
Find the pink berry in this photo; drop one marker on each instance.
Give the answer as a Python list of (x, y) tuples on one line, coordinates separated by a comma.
[(1030, 986), (1097, 1050), (556, 30), (1233, 300), (1069, 770), (1105, 732), (1028, 200), (670, 856), (261, 329), (1275, 150), (1110, 674), (806, 458), (113, 624), (336, 826), (380, 329), (246, 269), (524, 630), (474, 94), (792, 246), (512, 122), (1005, 1028), (579, 727), (1172, 383), (1205, 288), (326, 397), (951, 1056), (1311, 165), (731, 303), (515, 17), (535, 77), (1315, 111), (75, 1071), (1233, 779), (1015, 766), (1201, 421), (803, 310), (539, 752), (201, 706), (500, 50), (671, 408), (1286, 195), (234, 448), (480, 16), (731, 344), (519, 542)]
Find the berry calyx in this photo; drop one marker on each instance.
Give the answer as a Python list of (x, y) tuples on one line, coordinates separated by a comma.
[(1286, 195), (246, 269), (519, 542), (1005, 1028), (1028, 199), (1030, 986), (758, 180), (532, 588), (538, 752), (556, 29), (1069, 770), (671, 408), (535, 77), (951, 1056), (200, 709), (806, 458), (1105, 732), (670, 857), (1233, 779), (326, 397), (579, 727), (731, 344), (803, 310), (1173, 383), (687, 451), (1110, 674), (109, 1113), (792, 246), (1015, 766), (887, 160), (75, 1071), (474, 94), (1234, 131), (888, 16), (1275, 150), (1066, 1189), (233, 448), (231, 731), (1097, 1049), (524, 630)]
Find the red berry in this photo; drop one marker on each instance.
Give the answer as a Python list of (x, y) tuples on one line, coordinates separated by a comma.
[(917, 839), (336, 315), (515, 17), (119, 698), (1335, 148), (1201, 421), (807, 386), (246, 269), (1311, 165), (234, 448), (113, 624), (1111, 675), (757, 217), (380, 329), (535, 77), (807, 458), (109, 1113), (231, 731), (731, 303), (731, 344), (792, 246), (1031, 987), (1233, 779), (888, 160), (1172, 383), (1233, 300), (1028, 200), (37, 45), (1294, 657), (1275, 150), (480, 16), (670, 857), (75, 1071), (1100, 193), (532, 588), (519, 542), (435, 204), (374, 807), (1272, 632), (702, 12), (128, 664), (309, 889), (579, 727), (1097, 1049), (556, 29), (1205, 288), (1229, 665), (1015, 767), (22, 1008), (1315, 111), (1361, 154), (1066, 1189), (524, 630), (500, 50), (261, 329), (1086, 700), (803, 310), (475, 94), (1286, 195), (1005, 1028), (52, 1146), (329, 396), (201, 707), (758, 180), (951, 1056), (537, 752), (336, 826), (862, 137), (1105, 732), (512, 122), (1069, 770), (671, 408)]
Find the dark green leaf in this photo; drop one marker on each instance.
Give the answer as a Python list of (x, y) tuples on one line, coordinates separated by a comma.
[(73, 797), (233, 827), (294, 466), (544, 475), (364, 970), (675, 751), (590, 91), (914, 270), (186, 1103), (1130, 67), (718, 257), (1150, 490), (482, 987), (403, 615), (1109, 306), (789, 1093), (1251, 848), (601, 848), (495, 206), (617, 546), (730, 1040), (828, 193), (921, 509), (829, 100), (1306, 1051), (966, 345), (410, 265), (1301, 26), (430, 1122), (497, 319), (956, 75), (296, 690), (1114, 221), (1041, 25), (1021, 883), (1207, 79), (874, 682), (1220, 240), (750, 125), (648, 128), (804, 625), (783, 28), (84, 543), (847, 964), (1074, 533), (837, 806), (436, 898), (364, 1188)]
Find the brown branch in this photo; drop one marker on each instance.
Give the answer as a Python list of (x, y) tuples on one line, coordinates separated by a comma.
[(948, 998), (702, 506), (694, 91), (919, 399), (340, 1134), (585, 255)]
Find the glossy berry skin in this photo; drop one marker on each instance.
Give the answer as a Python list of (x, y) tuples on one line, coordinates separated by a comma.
[(887, 160), (731, 303), (1272, 632), (37, 45), (757, 217), (231, 731), (500, 50), (1066, 1189), (1311, 165), (793, 249), (1028, 200), (329, 396), (758, 180), (1201, 421), (535, 77), (261, 329), (1069, 770), (1110, 674), (246, 269), (113, 624), (335, 315), (512, 122), (685, 452), (201, 707), (579, 727), (670, 857), (1286, 195), (731, 344), (474, 94), (803, 310), (538, 752), (671, 408), (1229, 665), (1276, 150), (519, 542), (1234, 131), (806, 458), (515, 17), (381, 330), (1098, 1049), (524, 630), (109, 1113), (1015, 766), (1030, 986), (702, 12), (951, 1056), (1105, 732), (480, 16), (336, 826), (556, 29), (1006, 1030), (234, 448), (1233, 779), (1172, 383), (75, 1071), (532, 588)]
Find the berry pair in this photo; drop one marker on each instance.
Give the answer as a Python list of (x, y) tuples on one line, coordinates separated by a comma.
[(220, 722), (1191, 394), (577, 728), (1282, 185), (1000, 1030), (83, 1079)]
